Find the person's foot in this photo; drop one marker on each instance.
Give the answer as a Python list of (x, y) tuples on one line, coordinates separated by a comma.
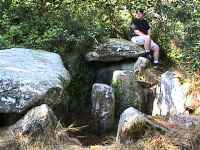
[(147, 50), (148, 55), (156, 65)]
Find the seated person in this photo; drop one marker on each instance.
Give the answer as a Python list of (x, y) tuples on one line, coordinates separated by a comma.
[(141, 31)]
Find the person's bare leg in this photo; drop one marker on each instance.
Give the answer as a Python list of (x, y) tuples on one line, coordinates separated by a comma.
[(156, 53), (147, 43)]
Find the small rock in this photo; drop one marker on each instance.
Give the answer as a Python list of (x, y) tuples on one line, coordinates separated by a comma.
[(133, 125), (36, 126), (37, 122), (140, 64)]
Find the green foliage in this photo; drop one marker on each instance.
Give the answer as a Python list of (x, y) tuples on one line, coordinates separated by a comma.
[(43, 24), (62, 26), (80, 87), (176, 29)]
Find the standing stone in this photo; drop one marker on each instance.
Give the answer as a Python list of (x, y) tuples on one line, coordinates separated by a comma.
[(29, 78), (134, 125), (103, 105), (170, 96), (127, 91)]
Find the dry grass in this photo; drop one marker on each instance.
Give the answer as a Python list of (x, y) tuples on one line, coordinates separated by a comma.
[(57, 139), (188, 139), (178, 138), (154, 143)]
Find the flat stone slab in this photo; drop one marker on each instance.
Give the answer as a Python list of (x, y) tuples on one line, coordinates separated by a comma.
[(113, 50), (185, 120)]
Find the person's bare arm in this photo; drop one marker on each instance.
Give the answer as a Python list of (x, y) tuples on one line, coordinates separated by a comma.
[(149, 32)]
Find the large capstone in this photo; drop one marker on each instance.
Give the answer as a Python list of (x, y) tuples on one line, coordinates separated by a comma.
[(115, 50), (127, 91), (170, 96), (134, 125), (29, 78), (103, 105)]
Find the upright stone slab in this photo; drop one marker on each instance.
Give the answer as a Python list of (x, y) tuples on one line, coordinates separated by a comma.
[(29, 78), (128, 92), (170, 96), (103, 105)]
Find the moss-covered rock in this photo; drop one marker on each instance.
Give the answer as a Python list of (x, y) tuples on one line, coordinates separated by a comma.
[(134, 125), (127, 91)]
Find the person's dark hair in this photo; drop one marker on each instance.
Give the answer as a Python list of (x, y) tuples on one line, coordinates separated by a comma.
[(140, 10)]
